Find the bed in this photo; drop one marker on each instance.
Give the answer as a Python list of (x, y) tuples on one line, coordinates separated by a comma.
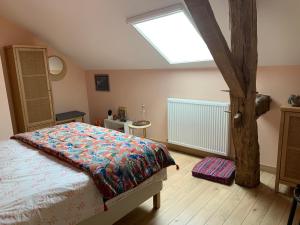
[(37, 188)]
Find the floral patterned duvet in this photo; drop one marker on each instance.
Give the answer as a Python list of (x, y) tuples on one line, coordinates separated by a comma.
[(117, 162)]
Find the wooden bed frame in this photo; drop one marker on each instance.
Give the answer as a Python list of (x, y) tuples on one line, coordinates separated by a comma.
[(124, 206)]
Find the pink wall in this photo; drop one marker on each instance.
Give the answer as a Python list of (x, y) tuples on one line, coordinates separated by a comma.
[(131, 88), (69, 93)]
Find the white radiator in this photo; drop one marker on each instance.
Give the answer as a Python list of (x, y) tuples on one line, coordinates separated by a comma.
[(202, 125)]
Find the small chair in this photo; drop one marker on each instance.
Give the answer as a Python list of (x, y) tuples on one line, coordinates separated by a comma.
[(296, 200)]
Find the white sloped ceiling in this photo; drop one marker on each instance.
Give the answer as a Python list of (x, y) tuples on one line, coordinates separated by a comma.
[(95, 33)]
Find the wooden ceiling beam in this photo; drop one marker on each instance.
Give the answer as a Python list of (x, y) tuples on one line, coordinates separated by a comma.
[(204, 19)]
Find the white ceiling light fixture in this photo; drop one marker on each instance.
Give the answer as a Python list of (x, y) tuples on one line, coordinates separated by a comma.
[(172, 34)]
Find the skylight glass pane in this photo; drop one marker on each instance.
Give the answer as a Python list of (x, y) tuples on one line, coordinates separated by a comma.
[(175, 38)]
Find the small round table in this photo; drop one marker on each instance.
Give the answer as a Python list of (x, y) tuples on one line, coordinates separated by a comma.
[(132, 127)]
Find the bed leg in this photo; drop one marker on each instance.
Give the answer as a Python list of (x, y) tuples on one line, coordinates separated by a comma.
[(156, 201)]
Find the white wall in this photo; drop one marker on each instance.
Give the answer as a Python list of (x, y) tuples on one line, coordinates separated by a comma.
[(5, 120)]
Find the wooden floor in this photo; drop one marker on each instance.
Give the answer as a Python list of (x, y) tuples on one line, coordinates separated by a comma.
[(193, 201)]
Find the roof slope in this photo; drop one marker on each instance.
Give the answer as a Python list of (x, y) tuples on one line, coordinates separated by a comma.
[(95, 33)]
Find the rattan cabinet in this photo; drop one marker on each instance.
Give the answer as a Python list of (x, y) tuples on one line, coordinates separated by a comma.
[(30, 87), (288, 161)]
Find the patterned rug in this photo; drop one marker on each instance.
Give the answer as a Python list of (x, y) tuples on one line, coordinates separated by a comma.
[(215, 169)]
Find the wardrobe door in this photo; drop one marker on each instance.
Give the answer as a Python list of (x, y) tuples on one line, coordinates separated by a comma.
[(290, 166), (36, 91)]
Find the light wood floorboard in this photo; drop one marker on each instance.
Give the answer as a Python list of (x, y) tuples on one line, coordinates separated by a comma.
[(186, 200)]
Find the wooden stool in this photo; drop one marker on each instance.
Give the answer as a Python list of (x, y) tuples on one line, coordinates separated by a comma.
[(296, 200)]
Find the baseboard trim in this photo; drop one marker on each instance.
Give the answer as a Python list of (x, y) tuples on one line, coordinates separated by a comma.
[(202, 154), (268, 169), (191, 151), (183, 149)]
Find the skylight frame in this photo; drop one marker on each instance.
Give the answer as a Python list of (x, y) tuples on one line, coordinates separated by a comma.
[(152, 15), (155, 14)]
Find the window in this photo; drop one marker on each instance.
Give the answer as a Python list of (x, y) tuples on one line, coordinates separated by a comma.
[(173, 35)]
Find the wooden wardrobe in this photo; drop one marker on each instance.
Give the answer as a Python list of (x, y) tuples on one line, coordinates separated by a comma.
[(30, 87), (288, 161)]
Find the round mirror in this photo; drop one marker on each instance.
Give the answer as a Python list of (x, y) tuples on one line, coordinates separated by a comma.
[(57, 68)]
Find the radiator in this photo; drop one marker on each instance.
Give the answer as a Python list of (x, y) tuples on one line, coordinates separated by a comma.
[(202, 125)]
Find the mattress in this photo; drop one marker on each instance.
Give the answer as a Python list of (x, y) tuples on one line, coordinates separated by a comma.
[(37, 189)]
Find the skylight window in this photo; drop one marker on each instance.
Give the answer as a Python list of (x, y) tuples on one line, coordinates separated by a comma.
[(173, 35)]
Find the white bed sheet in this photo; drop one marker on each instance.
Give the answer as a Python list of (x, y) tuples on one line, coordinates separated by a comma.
[(38, 189)]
